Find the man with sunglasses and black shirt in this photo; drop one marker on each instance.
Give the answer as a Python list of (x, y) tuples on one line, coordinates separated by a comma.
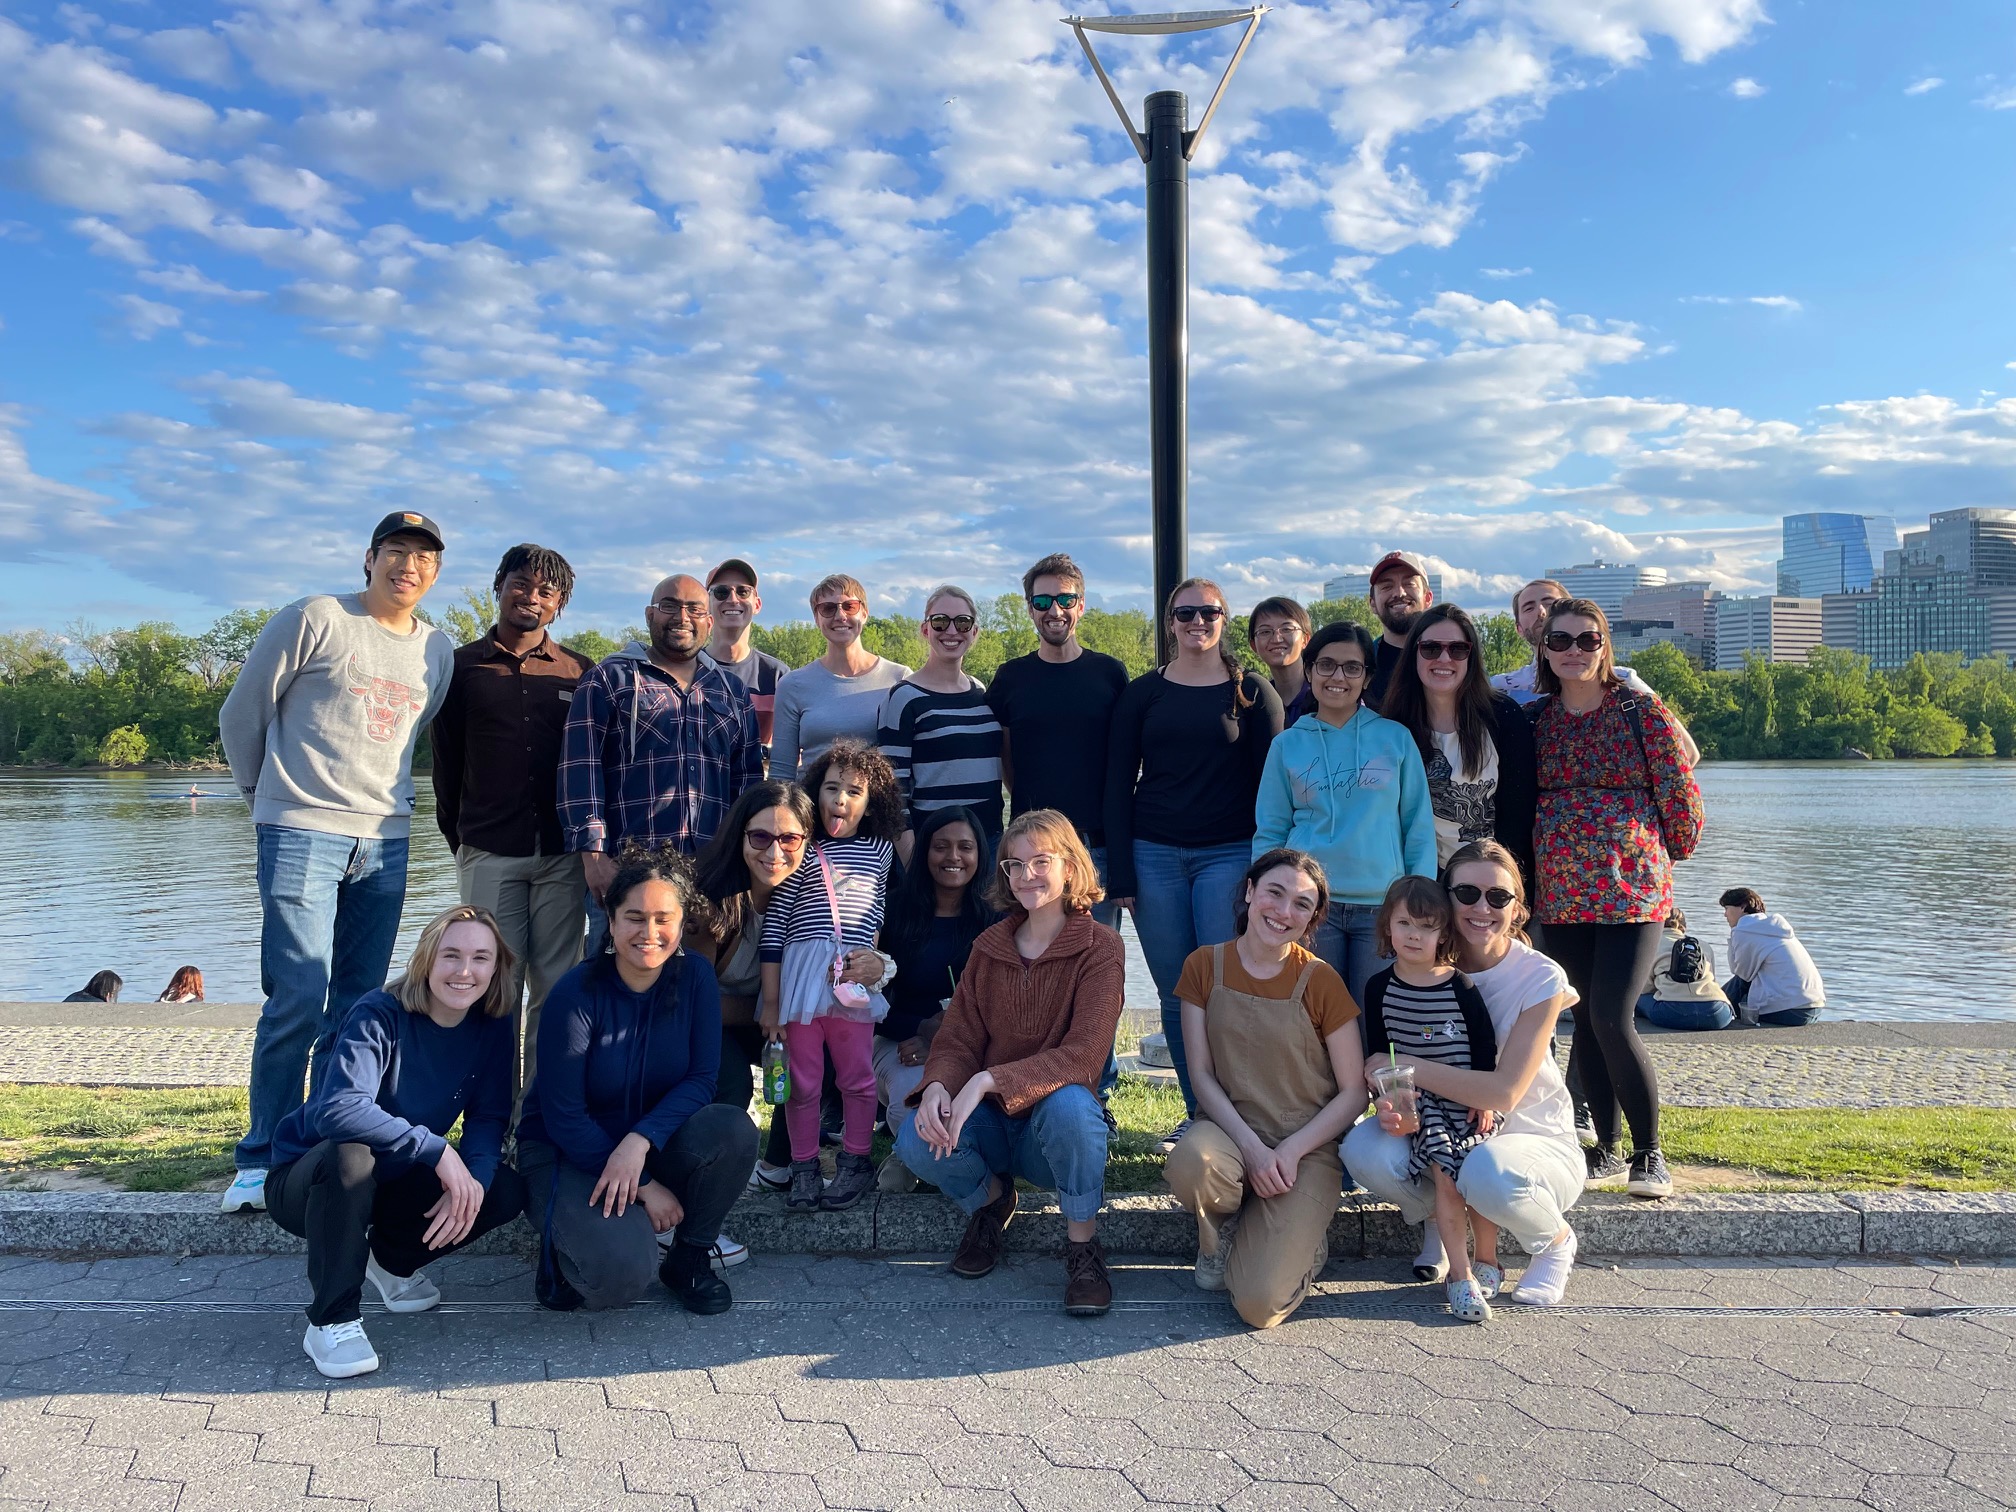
[(731, 590), (1055, 706)]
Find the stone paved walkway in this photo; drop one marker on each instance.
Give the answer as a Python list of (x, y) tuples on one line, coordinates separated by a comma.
[(845, 1383)]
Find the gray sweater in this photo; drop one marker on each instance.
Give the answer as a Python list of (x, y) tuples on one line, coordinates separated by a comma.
[(815, 708), (319, 727)]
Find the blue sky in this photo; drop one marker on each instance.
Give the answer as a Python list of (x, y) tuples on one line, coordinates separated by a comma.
[(860, 287)]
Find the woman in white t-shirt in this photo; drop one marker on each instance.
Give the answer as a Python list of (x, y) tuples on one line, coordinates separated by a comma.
[(1527, 1175)]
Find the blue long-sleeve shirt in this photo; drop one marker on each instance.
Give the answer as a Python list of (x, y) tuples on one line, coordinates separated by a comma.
[(397, 1081), (613, 1062)]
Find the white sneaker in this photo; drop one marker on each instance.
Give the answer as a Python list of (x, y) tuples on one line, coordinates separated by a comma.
[(340, 1350), (1545, 1281), (1432, 1264), (769, 1178), (726, 1251), (1211, 1267), (247, 1193), (402, 1294)]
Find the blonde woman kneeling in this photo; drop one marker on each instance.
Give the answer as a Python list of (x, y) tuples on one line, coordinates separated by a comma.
[(1275, 1058)]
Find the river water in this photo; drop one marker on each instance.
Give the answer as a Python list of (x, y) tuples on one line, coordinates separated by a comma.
[(1892, 872)]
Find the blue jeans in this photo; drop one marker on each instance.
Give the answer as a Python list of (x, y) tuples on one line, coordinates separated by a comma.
[(1696, 1013), (1060, 1145), (1183, 898), (1348, 938), (1106, 911), (1738, 992), (330, 917)]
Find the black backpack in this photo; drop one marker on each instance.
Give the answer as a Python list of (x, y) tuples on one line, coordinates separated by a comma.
[(1688, 963)]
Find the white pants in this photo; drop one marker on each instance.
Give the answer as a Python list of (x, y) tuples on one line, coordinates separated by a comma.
[(894, 1081), (1524, 1183)]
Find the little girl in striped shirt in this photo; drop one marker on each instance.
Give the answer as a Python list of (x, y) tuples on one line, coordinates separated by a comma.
[(818, 964), (1423, 1006)]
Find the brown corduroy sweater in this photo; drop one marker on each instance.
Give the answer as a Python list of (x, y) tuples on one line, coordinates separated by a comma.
[(1037, 1025)]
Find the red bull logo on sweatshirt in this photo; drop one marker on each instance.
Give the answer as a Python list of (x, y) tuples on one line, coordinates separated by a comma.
[(386, 702)]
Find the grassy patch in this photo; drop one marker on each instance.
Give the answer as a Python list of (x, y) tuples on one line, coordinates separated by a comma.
[(179, 1139)]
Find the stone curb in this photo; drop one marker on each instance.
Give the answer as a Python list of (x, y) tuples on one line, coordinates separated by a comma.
[(1732, 1225)]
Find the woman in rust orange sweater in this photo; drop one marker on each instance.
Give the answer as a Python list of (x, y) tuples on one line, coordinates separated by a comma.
[(1010, 1084)]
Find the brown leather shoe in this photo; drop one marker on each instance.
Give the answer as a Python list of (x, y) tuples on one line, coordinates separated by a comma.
[(1088, 1289), (980, 1246)]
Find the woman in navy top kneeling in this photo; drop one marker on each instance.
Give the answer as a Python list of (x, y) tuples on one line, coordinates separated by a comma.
[(362, 1172), (623, 1146)]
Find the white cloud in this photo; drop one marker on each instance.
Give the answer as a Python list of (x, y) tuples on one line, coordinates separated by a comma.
[(147, 318), (1783, 302), (1746, 89), (2003, 97), (1923, 86), (1505, 272)]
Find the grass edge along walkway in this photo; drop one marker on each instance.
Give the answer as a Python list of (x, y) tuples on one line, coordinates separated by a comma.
[(180, 1139)]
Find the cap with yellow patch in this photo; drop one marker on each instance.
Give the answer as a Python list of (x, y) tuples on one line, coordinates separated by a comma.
[(408, 522)]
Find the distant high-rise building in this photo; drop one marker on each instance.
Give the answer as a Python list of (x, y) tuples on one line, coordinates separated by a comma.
[(1777, 628), (1979, 544), (1833, 553), (1920, 608), (1689, 607), (1607, 584), (1355, 585)]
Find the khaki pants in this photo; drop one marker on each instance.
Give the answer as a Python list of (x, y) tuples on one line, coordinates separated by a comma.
[(1279, 1246), (537, 901)]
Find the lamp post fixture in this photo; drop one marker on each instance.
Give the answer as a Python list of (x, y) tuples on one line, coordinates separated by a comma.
[(1166, 145)]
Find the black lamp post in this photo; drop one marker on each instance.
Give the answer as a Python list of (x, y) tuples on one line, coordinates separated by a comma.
[(1166, 145)]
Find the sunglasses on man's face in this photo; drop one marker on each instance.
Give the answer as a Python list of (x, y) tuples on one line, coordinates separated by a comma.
[(840, 606), (1588, 640), (943, 622), (1209, 613), (1041, 602), (1500, 898), (1457, 650), (725, 591)]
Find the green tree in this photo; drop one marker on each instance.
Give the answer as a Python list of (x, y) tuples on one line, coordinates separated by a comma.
[(592, 644), (1127, 635), (221, 650), (1505, 649), (468, 618), (123, 747), (1980, 743), (1918, 728), (1354, 611), (793, 644)]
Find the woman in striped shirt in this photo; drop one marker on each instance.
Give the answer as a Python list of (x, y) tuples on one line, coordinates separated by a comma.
[(811, 998), (936, 728)]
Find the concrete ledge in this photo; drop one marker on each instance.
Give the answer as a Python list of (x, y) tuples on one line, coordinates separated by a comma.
[(1733, 1225)]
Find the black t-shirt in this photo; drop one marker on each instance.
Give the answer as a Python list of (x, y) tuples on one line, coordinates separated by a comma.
[(1056, 715), (926, 973), (1385, 657)]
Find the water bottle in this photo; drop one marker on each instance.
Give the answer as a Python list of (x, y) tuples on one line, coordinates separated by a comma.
[(776, 1076)]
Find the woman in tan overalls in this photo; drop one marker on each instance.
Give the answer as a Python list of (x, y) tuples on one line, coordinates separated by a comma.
[(1275, 1060)]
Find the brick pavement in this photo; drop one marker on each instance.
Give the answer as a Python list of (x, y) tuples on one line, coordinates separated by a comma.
[(1788, 1387)]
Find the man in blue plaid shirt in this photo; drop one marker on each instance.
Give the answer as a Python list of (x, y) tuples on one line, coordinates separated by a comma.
[(659, 743)]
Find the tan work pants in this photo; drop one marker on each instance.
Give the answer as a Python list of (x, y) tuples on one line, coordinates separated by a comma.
[(537, 901)]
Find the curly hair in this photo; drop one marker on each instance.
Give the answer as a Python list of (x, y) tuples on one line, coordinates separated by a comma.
[(885, 817), (636, 864), (540, 562)]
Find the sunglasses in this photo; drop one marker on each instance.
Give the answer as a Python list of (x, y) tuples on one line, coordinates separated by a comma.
[(1588, 640), (838, 606), (1436, 650), (943, 622), (1042, 601), (1209, 613), (725, 591), (1327, 667), (1500, 898), (762, 840)]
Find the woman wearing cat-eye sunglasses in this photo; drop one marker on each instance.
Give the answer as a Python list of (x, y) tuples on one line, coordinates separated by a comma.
[(936, 728)]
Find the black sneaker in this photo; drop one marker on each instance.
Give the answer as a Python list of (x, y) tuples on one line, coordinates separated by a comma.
[(806, 1185), (1607, 1170), (1649, 1176), (853, 1179), (688, 1273)]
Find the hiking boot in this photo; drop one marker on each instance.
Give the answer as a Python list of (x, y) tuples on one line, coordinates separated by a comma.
[(1088, 1290), (980, 1246), (806, 1185), (1211, 1267), (894, 1176), (853, 1179), (1607, 1170), (688, 1273), (1649, 1176)]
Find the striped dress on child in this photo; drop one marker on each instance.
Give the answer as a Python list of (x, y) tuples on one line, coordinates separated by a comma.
[(1446, 1023)]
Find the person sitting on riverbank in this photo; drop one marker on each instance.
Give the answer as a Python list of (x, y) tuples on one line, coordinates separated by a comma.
[(1682, 992), (186, 986), (1775, 983), (363, 1171), (104, 987)]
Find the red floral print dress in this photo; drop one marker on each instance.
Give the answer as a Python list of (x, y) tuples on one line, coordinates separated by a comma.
[(1616, 811)]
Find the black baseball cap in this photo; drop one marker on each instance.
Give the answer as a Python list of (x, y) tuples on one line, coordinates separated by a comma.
[(406, 522)]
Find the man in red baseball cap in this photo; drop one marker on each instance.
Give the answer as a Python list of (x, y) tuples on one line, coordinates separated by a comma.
[(1399, 591)]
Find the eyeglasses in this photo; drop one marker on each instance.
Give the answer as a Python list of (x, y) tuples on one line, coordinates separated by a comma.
[(725, 591), (1328, 667), (943, 622), (674, 609), (1037, 867), (838, 606), (1500, 898), (418, 556), (1042, 601), (1588, 640), (1285, 629), (1209, 613), (762, 840), (1458, 650)]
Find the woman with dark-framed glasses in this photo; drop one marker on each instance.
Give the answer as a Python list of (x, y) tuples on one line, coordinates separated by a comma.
[(838, 696), (936, 729), (1618, 806), (1183, 764)]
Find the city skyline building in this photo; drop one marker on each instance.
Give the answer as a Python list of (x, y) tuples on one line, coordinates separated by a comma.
[(1833, 553), (1689, 607), (1607, 584), (1773, 626), (1979, 544)]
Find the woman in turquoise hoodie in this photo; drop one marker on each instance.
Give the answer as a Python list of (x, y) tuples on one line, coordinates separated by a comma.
[(1349, 788)]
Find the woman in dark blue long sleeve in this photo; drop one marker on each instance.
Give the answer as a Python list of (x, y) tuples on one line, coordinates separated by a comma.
[(624, 1149), (363, 1171)]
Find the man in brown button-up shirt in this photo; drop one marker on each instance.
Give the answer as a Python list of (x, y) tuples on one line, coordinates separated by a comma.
[(496, 756)]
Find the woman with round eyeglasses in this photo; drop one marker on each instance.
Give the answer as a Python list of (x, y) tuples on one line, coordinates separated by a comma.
[(1477, 744), (838, 696), (936, 728), (1348, 787), (1277, 630), (1183, 764), (1526, 1176), (1618, 806)]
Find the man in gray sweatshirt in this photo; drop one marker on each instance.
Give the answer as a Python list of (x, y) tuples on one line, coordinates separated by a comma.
[(319, 731)]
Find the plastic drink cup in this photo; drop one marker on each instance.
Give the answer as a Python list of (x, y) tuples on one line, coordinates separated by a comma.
[(776, 1076), (1395, 1098)]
